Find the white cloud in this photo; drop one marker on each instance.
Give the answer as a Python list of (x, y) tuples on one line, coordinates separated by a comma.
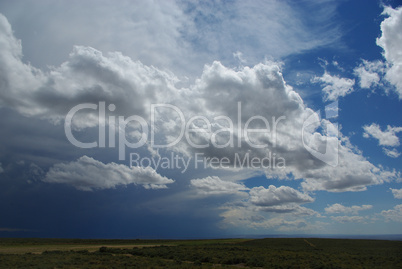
[(353, 173), (397, 193), (393, 153), (246, 217), (281, 200), (90, 76), (390, 41), (385, 138), (15, 76), (346, 219), (369, 73), (215, 186), (258, 207), (88, 174), (394, 214), (87, 77), (335, 86), (248, 85), (274, 196), (341, 209)]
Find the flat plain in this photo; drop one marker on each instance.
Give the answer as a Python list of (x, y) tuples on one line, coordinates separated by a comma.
[(226, 253)]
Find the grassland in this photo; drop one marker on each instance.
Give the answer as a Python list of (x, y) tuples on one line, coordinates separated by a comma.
[(226, 253)]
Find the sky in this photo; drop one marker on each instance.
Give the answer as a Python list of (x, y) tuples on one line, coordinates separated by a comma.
[(188, 119)]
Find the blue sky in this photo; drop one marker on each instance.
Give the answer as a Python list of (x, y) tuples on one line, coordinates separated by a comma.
[(174, 119)]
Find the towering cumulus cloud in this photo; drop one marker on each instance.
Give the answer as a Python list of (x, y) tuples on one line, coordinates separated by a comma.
[(230, 102)]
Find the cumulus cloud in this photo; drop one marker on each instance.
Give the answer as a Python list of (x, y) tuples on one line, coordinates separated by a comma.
[(274, 196), (276, 208), (296, 220), (390, 40), (262, 91), (258, 206), (341, 209), (386, 138), (15, 76), (369, 73), (353, 173), (397, 193), (216, 186), (89, 76), (88, 174), (279, 200), (335, 86), (394, 214)]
